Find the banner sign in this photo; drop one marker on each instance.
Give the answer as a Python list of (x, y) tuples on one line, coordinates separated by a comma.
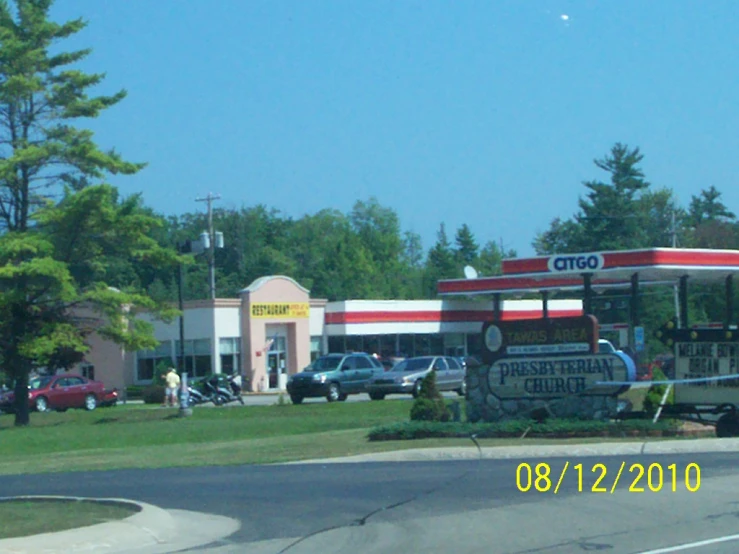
[(280, 310), (556, 376), (531, 337)]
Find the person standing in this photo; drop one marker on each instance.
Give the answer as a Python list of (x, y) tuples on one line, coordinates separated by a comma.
[(172, 381)]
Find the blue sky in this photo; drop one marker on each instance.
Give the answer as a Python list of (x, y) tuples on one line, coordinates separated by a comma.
[(480, 112)]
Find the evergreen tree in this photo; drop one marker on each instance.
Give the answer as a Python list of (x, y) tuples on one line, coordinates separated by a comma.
[(59, 254), (467, 248)]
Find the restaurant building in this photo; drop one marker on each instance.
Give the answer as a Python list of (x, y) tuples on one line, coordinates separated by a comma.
[(275, 329)]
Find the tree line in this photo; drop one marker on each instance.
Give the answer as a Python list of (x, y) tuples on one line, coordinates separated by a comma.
[(361, 254)]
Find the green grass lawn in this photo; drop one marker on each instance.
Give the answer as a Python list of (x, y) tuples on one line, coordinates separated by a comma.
[(150, 437), (21, 518)]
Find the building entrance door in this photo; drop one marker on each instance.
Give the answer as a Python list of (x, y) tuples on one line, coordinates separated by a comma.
[(277, 364)]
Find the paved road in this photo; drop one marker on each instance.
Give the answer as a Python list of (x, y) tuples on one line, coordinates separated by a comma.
[(463, 506)]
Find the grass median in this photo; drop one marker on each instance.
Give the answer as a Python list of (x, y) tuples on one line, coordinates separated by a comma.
[(22, 518), (153, 437)]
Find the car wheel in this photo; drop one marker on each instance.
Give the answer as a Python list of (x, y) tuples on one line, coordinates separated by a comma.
[(377, 395), (462, 390), (417, 389), (727, 426), (333, 392), (343, 397), (90, 402), (42, 405), (295, 399)]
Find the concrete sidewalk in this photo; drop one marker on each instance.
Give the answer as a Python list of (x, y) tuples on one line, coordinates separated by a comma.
[(684, 446), (152, 530)]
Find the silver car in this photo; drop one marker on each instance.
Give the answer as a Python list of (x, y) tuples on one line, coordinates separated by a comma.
[(406, 377)]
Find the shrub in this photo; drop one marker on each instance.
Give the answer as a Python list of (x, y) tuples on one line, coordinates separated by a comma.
[(153, 394), (430, 406), (553, 428), (655, 393), (160, 370)]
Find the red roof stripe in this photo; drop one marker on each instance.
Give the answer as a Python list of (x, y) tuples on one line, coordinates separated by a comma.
[(341, 318), (635, 258), (515, 283)]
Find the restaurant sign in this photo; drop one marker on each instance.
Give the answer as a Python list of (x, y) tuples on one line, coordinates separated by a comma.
[(556, 376), (280, 310)]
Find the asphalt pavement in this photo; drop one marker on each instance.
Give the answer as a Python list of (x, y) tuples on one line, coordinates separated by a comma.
[(462, 506)]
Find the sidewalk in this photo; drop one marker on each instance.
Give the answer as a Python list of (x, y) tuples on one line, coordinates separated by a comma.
[(150, 531), (636, 448)]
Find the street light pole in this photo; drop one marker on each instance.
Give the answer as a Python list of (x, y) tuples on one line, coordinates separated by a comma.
[(185, 409), (212, 246)]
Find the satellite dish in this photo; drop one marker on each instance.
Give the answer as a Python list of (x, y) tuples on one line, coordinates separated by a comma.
[(470, 272)]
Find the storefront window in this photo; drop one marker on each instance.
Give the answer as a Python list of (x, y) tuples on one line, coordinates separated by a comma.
[(230, 352), (336, 345), (147, 360), (315, 348), (436, 344), (372, 344), (474, 344), (354, 344), (406, 346), (423, 345), (198, 362), (454, 344)]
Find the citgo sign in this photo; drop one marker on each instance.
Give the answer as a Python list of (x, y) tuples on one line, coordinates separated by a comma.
[(575, 262)]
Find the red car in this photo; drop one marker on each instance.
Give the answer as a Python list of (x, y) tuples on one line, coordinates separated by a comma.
[(61, 392)]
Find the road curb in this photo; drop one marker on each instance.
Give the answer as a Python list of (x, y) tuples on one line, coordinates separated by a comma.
[(150, 530), (712, 445)]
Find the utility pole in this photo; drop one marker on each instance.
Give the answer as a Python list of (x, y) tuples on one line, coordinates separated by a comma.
[(212, 243), (673, 232)]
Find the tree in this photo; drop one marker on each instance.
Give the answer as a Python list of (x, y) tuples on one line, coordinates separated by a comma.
[(440, 263), (55, 254), (562, 237), (467, 248), (608, 215), (491, 258), (708, 207)]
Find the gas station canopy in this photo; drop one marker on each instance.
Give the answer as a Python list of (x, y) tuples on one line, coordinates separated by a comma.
[(601, 270)]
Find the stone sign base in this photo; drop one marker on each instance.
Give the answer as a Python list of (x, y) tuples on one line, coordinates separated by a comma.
[(483, 405)]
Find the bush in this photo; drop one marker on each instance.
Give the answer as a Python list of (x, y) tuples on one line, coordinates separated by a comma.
[(160, 370), (134, 392), (655, 393), (153, 394), (429, 406), (553, 429)]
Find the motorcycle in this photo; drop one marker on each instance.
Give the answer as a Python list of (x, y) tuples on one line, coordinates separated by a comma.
[(207, 393), (221, 394)]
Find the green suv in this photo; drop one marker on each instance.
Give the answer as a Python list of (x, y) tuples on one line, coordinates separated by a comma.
[(334, 376)]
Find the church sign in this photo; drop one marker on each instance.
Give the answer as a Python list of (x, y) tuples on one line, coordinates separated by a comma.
[(549, 364), (556, 376)]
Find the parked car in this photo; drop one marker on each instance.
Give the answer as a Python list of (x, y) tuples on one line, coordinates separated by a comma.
[(406, 377), (110, 398), (334, 376), (60, 392)]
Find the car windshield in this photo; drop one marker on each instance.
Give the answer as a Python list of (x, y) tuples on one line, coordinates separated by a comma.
[(38, 382), (605, 347), (324, 364), (415, 364)]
